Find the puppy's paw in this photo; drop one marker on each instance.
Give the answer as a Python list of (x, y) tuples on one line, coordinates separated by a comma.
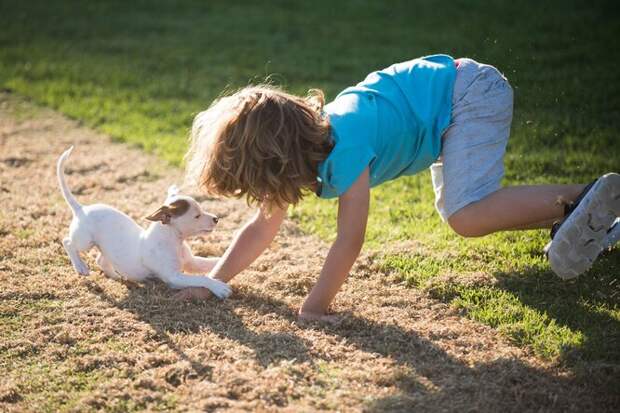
[(220, 289), (81, 268)]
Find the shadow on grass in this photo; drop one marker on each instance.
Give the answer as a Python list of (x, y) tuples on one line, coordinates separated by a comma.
[(437, 381), (582, 305), (427, 377), (153, 304)]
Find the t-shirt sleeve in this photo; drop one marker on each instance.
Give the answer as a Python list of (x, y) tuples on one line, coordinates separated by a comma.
[(342, 168)]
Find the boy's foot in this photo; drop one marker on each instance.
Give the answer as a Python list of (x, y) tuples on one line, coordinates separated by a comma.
[(583, 235)]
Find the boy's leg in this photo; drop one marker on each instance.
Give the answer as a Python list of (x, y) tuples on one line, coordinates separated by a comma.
[(587, 229), (467, 177), (515, 207)]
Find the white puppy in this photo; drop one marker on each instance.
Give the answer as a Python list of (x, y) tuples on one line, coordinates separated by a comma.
[(129, 252)]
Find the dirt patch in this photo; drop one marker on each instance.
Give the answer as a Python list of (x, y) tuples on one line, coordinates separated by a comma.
[(75, 343)]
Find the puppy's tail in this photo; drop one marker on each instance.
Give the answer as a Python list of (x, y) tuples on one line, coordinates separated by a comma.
[(66, 193)]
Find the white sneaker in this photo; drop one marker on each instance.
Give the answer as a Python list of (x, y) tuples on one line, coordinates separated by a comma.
[(612, 238), (583, 235), (613, 235)]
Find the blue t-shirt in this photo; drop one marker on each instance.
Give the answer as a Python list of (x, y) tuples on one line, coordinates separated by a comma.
[(392, 121)]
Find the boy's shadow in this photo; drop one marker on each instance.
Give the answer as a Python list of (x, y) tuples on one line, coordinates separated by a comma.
[(453, 384)]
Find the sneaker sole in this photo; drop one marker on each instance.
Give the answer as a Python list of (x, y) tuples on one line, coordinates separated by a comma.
[(582, 237), (613, 236)]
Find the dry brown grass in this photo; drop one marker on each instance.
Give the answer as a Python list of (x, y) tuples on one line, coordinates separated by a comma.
[(71, 343)]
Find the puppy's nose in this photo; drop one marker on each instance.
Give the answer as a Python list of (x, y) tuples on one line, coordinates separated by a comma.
[(215, 219)]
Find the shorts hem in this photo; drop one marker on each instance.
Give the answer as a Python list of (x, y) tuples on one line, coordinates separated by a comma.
[(480, 194)]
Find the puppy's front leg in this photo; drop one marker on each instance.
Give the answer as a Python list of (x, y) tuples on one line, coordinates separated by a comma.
[(194, 264), (107, 267), (199, 264), (180, 280)]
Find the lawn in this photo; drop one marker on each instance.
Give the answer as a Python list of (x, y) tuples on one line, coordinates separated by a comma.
[(140, 70)]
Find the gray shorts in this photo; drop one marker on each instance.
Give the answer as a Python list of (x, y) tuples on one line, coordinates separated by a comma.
[(471, 163)]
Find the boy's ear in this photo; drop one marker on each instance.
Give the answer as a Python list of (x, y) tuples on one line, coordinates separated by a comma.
[(165, 212)]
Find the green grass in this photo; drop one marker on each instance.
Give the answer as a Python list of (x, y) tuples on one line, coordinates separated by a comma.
[(140, 70)]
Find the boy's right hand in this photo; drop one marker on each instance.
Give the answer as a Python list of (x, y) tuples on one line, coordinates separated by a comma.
[(193, 293), (324, 318)]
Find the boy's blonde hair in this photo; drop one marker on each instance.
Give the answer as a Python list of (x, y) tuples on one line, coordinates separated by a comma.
[(261, 143)]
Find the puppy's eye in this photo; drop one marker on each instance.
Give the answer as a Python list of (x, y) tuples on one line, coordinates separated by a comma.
[(197, 216)]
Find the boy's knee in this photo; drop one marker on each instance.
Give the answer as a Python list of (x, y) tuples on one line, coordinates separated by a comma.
[(465, 225)]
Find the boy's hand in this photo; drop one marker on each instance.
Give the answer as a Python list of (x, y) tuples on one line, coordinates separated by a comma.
[(193, 293), (324, 318)]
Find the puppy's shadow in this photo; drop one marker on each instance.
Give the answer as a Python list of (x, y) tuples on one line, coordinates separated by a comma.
[(154, 303)]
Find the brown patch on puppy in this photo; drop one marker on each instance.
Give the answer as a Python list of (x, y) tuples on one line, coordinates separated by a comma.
[(165, 212)]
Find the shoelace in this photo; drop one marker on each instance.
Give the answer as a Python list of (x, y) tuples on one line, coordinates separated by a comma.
[(570, 207)]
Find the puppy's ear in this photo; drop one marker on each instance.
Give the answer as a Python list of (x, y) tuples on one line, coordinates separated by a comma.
[(173, 190), (162, 215), (165, 212), (179, 207)]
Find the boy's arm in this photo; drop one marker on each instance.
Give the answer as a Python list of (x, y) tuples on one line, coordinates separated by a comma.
[(246, 246), (352, 217), (249, 243)]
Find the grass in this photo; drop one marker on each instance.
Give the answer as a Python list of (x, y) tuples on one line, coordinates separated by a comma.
[(72, 343), (140, 70)]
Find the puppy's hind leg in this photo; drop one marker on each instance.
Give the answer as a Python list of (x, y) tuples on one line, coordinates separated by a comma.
[(74, 255), (77, 241), (107, 267), (109, 271)]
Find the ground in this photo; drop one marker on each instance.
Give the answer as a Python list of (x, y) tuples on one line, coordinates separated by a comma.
[(73, 343), (139, 71)]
